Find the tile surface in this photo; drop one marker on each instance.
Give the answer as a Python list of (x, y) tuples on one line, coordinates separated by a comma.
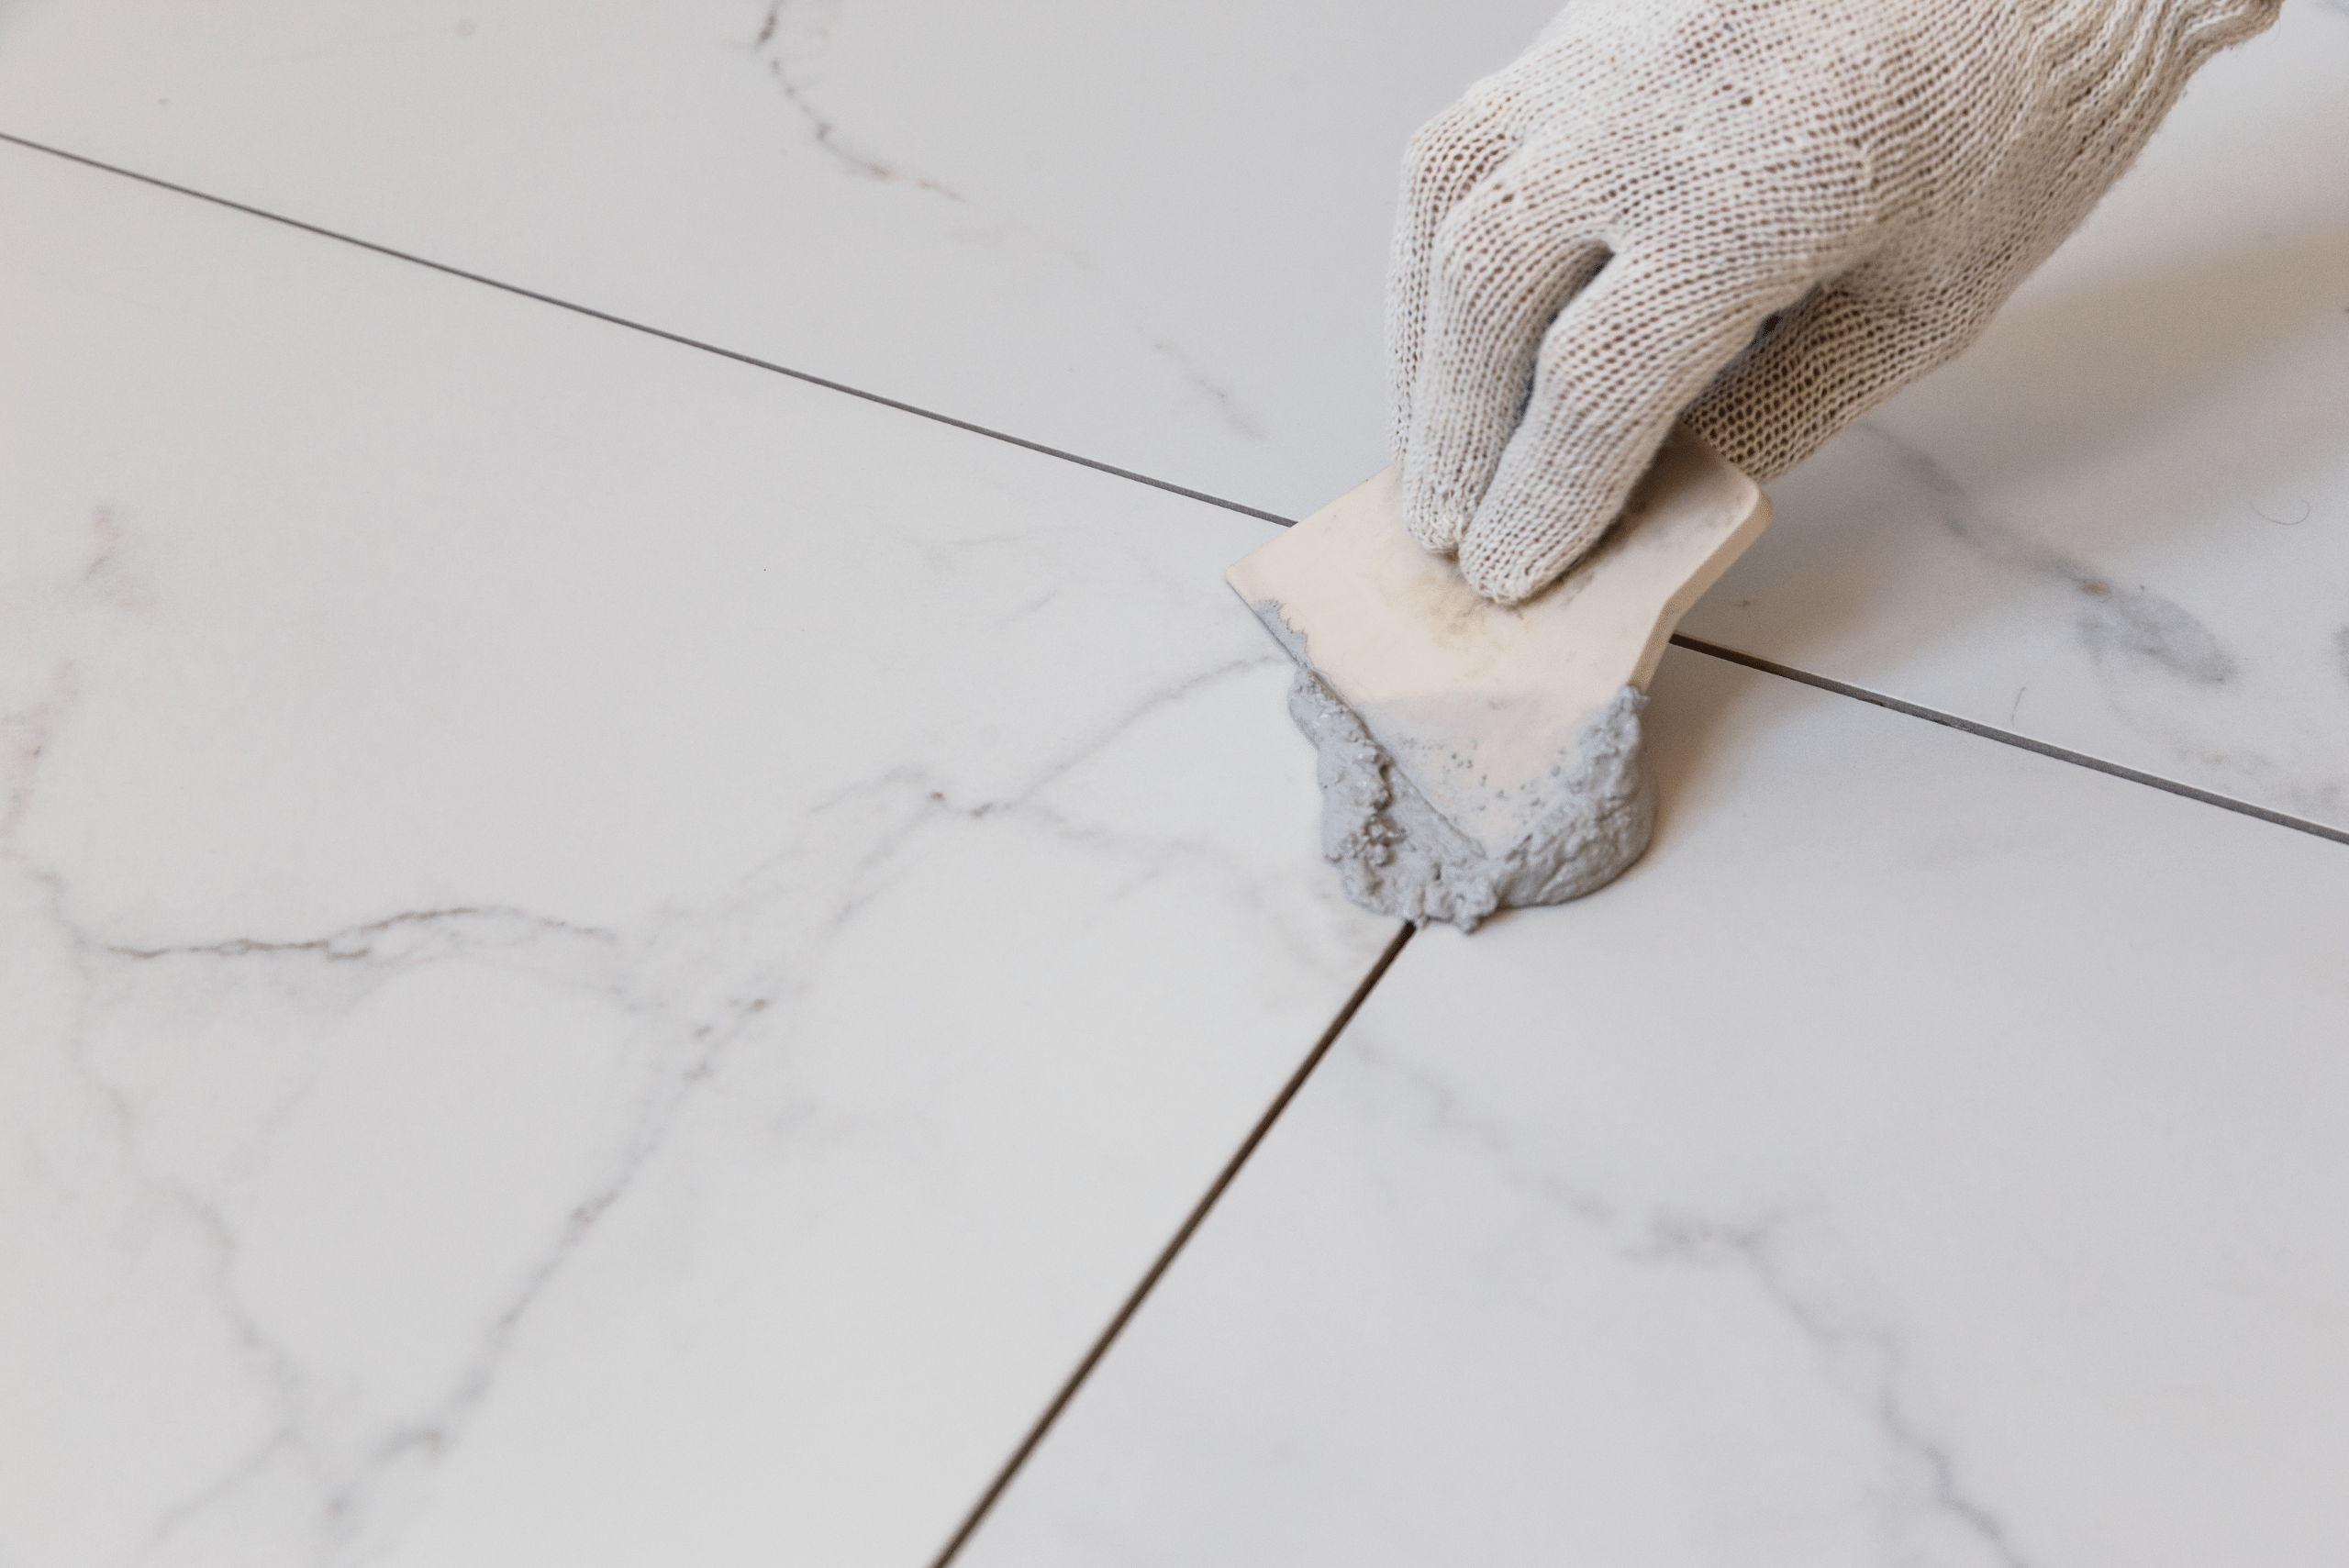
[(2120, 522), (605, 956), (1155, 236), (1929, 1154)]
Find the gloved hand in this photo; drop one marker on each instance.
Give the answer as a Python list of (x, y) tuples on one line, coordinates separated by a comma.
[(1769, 214)]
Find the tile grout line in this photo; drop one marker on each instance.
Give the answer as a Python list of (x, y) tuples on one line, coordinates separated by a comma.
[(1165, 1259), (1752, 662), (662, 333), (2009, 738)]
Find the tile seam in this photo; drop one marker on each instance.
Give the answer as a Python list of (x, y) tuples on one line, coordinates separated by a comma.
[(593, 314), (2009, 738), (1157, 1271)]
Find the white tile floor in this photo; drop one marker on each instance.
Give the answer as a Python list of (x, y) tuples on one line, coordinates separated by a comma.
[(608, 955)]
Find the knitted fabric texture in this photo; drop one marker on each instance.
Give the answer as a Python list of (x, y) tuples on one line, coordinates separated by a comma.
[(1768, 213)]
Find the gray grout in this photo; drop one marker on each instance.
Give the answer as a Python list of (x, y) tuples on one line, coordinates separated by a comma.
[(1752, 662)]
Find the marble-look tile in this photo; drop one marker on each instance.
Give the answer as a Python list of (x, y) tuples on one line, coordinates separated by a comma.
[(1931, 1153), (1155, 236), (2121, 523), (604, 956)]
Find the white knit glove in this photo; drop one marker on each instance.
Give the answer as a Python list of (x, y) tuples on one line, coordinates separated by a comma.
[(1766, 214)]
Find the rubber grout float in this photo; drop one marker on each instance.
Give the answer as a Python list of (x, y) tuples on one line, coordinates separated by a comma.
[(1476, 756)]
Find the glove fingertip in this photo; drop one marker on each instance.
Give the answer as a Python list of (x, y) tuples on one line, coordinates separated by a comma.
[(1507, 574), (1439, 528), (1510, 553)]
